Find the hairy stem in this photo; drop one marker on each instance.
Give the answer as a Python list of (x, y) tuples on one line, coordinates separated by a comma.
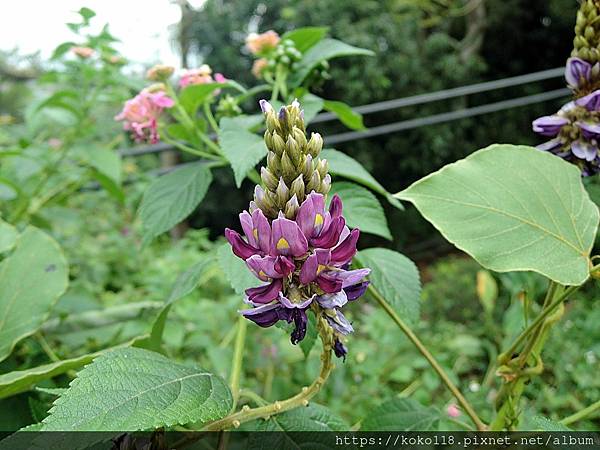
[(301, 399), (429, 357), (238, 356), (586, 412)]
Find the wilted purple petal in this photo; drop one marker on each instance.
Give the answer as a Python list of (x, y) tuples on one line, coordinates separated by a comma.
[(589, 130), (331, 301), (340, 349), (264, 294), (346, 250), (584, 150), (287, 238), (240, 247), (549, 125), (591, 102), (264, 316), (338, 322), (356, 290), (577, 71), (300, 320)]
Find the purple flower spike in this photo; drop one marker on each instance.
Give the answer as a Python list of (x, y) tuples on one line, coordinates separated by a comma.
[(591, 102), (577, 72), (287, 238), (549, 125), (584, 150), (240, 247)]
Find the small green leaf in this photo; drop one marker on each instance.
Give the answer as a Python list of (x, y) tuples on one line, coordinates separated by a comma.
[(361, 209), (344, 166), (347, 116), (173, 197), (396, 278), (242, 148), (8, 236), (513, 208), (32, 279), (403, 414), (193, 96), (18, 381), (134, 389), (325, 50), (306, 37), (62, 49), (235, 270), (87, 14)]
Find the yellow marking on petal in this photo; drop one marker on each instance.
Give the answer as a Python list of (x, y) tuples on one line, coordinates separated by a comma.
[(318, 220), (255, 233), (320, 268), (262, 274), (282, 244)]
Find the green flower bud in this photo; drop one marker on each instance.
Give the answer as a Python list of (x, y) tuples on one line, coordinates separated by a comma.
[(326, 184), (268, 178), (314, 184), (293, 150), (297, 188), (299, 137), (282, 193), (268, 137), (291, 208), (589, 33), (273, 162), (288, 169), (278, 144), (308, 168), (315, 145), (322, 167)]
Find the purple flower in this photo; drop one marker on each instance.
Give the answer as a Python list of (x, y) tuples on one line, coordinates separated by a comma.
[(589, 130), (577, 72), (584, 150), (591, 102), (549, 125)]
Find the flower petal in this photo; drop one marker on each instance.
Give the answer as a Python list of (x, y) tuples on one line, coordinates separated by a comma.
[(584, 150), (264, 294), (240, 247), (331, 301), (356, 290), (264, 316), (287, 238), (549, 125), (338, 322), (346, 250), (261, 230), (330, 236), (314, 264), (577, 70)]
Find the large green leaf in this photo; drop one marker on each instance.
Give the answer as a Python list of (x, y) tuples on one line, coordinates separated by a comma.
[(401, 414), (18, 381), (173, 197), (324, 50), (513, 208), (8, 236), (306, 37), (361, 209), (344, 166), (345, 113), (194, 95), (135, 389), (396, 278), (235, 270), (32, 279), (242, 148)]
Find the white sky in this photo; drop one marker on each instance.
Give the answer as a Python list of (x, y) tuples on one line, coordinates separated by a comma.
[(141, 25)]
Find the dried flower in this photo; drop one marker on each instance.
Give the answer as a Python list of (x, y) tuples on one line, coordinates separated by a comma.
[(140, 114), (261, 43), (300, 250)]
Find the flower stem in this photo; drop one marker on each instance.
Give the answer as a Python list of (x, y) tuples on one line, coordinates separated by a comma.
[(238, 356), (190, 150), (581, 414), (209, 116), (429, 357), (247, 414)]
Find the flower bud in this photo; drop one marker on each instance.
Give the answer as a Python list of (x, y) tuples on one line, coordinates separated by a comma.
[(278, 144), (297, 188), (315, 145), (307, 170), (268, 178), (156, 87), (291, 207), (268, 137), (299, 137), (287, 167), (282, 192), (314, 184), (322, 167), (326, 184), (273, 162), (160, 72), (293, 150)]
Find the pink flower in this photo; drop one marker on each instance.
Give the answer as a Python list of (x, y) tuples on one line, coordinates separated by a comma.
[(259, 43), (82, 52), (258, 67), (453, 411), (140, 114), (201, 75)]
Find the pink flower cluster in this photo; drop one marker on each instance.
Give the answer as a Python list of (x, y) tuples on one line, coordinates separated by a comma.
[(261, 43), (201, 75), (140, 115)]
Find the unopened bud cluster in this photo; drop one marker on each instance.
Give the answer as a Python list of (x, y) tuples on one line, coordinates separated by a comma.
[(294, 168), (586, 44)]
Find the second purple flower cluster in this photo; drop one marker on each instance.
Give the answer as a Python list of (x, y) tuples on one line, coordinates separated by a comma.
[(303, 263)]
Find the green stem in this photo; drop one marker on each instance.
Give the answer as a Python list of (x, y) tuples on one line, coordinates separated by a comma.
[(238, 356), (429, 357), (46, 347), (505, 357), (188, 149), (586, 412), (247, 414), (251, 395), (209, 116)]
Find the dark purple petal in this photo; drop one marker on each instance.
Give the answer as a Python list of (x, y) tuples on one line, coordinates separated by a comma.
[(335, 208), (284, 266), (264, 316), (287, 238), (589, 130), (329, 283), (577, 71), (346, 250), (591, 102), (240, 247), (549, 125), (356, 290), (331, 301), (584, 150), (340, 349), (300, 320), (338, 322), (330, 236), (264, 294)]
